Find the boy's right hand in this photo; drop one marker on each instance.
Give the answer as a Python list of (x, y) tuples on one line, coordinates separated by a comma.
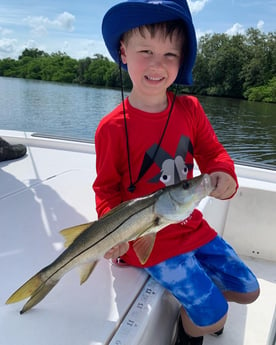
[(116, 251)]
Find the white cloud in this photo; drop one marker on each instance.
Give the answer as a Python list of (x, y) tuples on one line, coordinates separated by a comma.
[(65, 21), (30, 44), (260, 25), (13, 48), (4, 32), (66, 46), (81, 48), (40, 25), (200, 33), (7, 46), (197, 6), (237, 28)]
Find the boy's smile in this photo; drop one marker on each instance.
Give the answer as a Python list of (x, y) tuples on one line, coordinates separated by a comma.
[(153, 64)]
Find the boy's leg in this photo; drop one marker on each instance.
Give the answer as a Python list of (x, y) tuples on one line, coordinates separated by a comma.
[(223, 265), (197, 331), (204, 306), (203, 280)]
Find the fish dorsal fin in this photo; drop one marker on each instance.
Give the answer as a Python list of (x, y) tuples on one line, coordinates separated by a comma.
[(143, 247), (70, 234), (86, 270)]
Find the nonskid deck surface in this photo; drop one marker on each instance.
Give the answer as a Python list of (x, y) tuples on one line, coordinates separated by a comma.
[(48, 190)]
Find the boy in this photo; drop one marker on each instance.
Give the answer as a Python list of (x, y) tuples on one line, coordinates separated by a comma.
[(150, 140)]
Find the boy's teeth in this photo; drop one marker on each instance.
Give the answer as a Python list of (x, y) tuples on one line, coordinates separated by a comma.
[(154, 78)]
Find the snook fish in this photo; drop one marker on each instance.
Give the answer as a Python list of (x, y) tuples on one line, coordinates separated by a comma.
[(138, 219)]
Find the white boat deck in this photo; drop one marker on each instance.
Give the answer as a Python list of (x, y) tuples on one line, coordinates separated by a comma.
[(50, 189)]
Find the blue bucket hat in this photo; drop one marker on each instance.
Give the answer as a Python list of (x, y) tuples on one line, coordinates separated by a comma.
[(134, 13)]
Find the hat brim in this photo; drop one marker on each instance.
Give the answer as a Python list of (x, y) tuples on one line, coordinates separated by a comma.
[(128, 15)]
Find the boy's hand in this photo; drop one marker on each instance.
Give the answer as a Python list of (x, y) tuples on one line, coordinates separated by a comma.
[(116, 251), (225, 185)]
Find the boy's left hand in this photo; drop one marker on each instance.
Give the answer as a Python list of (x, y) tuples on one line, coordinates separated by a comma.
[(225, 185)]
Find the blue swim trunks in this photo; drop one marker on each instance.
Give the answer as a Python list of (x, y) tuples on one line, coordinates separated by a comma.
[(198, 278)]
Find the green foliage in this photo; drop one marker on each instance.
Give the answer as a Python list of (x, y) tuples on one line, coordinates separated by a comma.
[(97, 71), (231, 65), (59, 67), (265, 93), (241, 66)]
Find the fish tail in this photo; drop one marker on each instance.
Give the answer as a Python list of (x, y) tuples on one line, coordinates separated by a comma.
[(36, 288)]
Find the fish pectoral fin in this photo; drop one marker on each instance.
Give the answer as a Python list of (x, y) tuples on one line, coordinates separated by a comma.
[(143, 247), (70, 234), (86, 270)]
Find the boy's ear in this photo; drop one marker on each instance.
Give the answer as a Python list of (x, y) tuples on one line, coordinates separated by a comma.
[(123, 52)]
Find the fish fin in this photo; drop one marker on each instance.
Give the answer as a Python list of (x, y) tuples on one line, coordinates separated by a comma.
[(35, 287), (26, 290), (143, 247), (86, 270), (38, 295), (70, 234)]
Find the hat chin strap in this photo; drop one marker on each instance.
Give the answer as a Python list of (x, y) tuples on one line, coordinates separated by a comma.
[(132, 185)]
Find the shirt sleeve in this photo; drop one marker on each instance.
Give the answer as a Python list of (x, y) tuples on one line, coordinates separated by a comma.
[(209, 153), (107, 183)]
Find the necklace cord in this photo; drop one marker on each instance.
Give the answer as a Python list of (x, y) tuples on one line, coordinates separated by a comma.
[(166, 125), (131, 187)]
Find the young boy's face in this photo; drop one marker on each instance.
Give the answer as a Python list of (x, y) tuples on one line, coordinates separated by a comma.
[(153, 61)]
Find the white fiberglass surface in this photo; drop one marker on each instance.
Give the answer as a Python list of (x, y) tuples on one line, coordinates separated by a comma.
[(40, 194), (51, 189)]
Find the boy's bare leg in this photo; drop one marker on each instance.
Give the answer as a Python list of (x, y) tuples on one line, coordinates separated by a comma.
[(197, 331), (242, 298)]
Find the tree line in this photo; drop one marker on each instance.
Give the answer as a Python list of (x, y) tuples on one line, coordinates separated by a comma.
[(239, 66)]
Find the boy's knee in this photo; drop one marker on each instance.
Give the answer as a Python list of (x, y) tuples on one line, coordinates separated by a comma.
[(251, 297), (195, 330), (242, 298)]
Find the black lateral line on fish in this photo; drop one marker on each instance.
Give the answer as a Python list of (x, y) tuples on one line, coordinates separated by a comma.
[(131, 220), (85, 249)]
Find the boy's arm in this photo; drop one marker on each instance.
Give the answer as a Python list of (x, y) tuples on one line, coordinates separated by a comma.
[(212, 158), (107, 183)]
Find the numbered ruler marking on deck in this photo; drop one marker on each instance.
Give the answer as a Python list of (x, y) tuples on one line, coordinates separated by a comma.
[(138, 314)]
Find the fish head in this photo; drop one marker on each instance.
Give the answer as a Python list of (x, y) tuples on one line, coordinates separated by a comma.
[(192, 189), (179, 200)]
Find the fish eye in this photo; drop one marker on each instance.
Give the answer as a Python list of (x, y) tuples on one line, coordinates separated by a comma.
[(185, 185)]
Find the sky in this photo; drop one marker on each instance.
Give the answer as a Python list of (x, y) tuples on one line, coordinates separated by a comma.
[(74, 27)]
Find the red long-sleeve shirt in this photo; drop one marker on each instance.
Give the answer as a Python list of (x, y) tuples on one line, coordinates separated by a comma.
[(189, 136)]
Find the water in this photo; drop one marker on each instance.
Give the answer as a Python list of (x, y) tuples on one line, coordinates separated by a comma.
[(52, 108), (246, 129)]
